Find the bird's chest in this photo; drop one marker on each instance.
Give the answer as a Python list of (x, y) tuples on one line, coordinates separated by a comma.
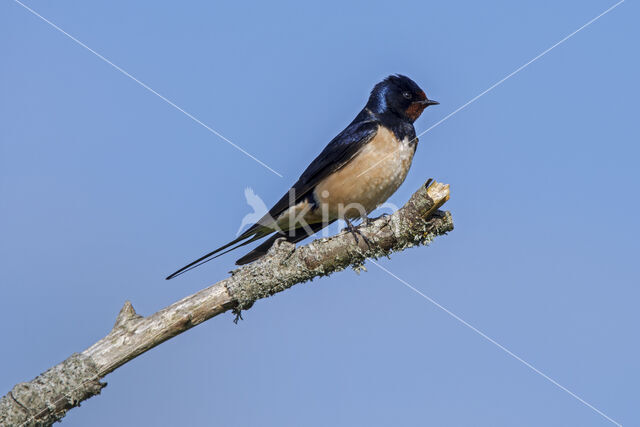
[(369, 179)]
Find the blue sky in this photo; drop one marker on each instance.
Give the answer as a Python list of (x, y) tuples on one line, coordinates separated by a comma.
[(105, 189)]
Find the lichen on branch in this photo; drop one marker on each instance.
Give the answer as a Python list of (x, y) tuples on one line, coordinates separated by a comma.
[(49, 396)]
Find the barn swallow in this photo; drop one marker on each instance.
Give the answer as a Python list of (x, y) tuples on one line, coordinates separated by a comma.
[(355, 173)]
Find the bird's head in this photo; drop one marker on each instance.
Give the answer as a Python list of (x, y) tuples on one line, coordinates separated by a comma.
[(399, 95)]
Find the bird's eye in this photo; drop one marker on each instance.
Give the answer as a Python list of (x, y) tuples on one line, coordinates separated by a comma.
[(407, 95)]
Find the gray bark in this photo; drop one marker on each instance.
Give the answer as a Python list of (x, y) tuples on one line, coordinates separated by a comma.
[(49, 396)]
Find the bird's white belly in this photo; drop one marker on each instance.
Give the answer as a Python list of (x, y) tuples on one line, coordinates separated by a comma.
[(369, 179)]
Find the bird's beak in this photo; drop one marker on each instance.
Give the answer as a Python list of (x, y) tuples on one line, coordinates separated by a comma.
[(428, 102)]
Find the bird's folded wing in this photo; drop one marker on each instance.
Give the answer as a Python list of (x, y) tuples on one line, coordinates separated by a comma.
[(336, 155)]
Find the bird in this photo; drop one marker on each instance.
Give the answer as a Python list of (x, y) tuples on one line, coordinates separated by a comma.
[(356, 172)]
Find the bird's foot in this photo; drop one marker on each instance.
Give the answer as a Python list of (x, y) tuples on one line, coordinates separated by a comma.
[(355, 231)]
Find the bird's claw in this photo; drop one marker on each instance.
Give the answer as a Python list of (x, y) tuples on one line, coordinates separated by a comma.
[(356, 231)]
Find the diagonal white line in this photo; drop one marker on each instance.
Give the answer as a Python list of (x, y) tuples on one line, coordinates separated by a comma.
[(502, 80), (195, 119), (494, 342)]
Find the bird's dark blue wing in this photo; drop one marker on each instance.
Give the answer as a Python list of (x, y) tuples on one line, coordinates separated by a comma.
[(336, 154)]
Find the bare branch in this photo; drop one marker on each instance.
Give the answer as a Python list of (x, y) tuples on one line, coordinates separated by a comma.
[(48, 397)]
